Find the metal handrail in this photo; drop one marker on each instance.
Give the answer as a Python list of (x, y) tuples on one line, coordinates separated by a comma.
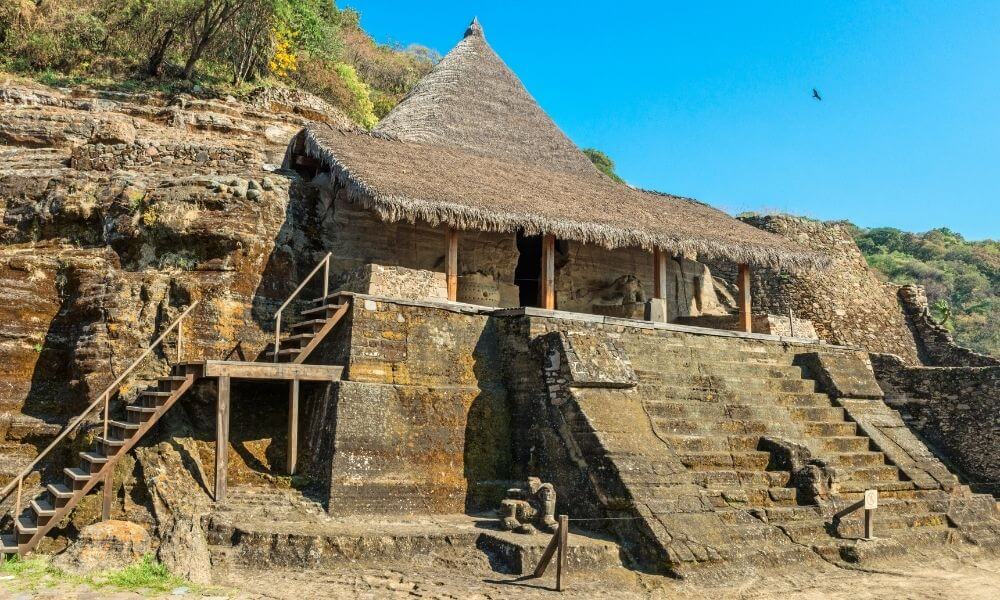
[(326, 290), (103, 398)]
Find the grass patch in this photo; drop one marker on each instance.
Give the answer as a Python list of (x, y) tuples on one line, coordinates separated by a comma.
[(31, 573), (147, 575)]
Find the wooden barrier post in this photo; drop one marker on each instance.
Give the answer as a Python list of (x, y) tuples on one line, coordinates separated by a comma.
[(563, 534), (558, 546), (548, 279), (871, 503), (743, 298), (451, 263), (659, 274), (293, 425), (108, 486), (221, 438)]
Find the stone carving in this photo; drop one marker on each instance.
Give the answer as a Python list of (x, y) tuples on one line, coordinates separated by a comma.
[(627, 289), (527, 509)]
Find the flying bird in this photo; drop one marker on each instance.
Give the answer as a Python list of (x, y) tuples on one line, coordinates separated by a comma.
[(816, 95)]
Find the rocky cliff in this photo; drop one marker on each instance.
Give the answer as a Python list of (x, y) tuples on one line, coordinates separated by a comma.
[(119, 210)]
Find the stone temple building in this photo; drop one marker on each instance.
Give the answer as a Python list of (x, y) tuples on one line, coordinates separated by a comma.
[(444, 307), (470, 163)]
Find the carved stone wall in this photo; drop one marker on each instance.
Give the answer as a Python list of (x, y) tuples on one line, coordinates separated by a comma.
[(934, 342), (954, 409)]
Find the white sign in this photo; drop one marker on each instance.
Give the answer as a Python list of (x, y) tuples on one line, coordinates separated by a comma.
[(871, 499)]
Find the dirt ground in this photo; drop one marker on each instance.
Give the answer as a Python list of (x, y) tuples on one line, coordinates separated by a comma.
[(951, 575)]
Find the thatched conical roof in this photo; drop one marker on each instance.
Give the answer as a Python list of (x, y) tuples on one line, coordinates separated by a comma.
[(470, 148), (473, 101)]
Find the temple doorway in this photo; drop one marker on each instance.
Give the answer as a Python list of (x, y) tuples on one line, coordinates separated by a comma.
[(528, 271)]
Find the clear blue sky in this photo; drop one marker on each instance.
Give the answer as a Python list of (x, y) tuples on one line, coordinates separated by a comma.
[(712, 100)]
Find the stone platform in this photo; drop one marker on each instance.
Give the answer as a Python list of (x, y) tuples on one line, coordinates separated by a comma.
[(261, 526)]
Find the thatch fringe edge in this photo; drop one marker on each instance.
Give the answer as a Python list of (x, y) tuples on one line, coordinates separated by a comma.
[(435, 212)]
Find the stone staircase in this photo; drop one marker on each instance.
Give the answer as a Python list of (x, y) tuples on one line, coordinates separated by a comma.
[(697, 447)]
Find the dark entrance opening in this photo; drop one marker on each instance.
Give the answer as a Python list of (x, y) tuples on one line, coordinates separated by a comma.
[(528, 271)]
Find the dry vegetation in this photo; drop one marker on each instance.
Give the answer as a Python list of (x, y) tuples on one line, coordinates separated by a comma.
[(220, 46)]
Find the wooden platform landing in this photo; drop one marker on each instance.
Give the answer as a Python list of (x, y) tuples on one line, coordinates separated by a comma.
[(268, 370)]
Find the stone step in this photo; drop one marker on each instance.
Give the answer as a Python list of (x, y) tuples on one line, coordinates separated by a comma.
[(674, 408), (853, 526), (855, 459), (759, 496), (716, 461), (741, 370), (712, 382), (721, 479), (825, 445), (675, 393), (825, 429), (869, 475), (851, 487), (711, 442)]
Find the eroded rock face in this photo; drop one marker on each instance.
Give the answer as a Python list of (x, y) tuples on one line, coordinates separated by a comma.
[(118, 211), (176, 483), (105, 546)]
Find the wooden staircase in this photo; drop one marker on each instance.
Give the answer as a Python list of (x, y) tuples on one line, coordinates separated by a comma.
[(62, 495), (33, 520)]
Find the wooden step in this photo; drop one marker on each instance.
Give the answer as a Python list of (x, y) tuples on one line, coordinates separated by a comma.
[(329, 308), (124, 425), (26, 526), (157, 393), (8, 543), (77, 474), (43, 508), (311, 324), (297, 338), (285, 352), (94, 458), (59, 490), (142, 409)]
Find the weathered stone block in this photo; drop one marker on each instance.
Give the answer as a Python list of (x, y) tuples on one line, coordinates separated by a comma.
[(842, 374)]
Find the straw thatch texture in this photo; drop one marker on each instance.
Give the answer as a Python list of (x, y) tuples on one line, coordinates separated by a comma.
[(472, 100), (403, 180)]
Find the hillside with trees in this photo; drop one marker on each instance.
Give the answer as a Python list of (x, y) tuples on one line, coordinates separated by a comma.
[(962, 278), (210, 46)]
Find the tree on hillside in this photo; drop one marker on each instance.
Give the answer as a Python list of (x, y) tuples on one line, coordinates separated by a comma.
[(962, 278), (208, 19)]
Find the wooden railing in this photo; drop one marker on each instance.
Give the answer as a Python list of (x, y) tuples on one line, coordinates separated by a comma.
[(325, 263), (104, 399)]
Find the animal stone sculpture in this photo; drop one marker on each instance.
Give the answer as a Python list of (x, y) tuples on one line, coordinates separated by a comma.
[(528, 509), (627, 289)]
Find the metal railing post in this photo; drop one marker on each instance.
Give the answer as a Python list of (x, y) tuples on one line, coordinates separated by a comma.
[(180, 338), (326, 278), (107, 397), (277, 334)]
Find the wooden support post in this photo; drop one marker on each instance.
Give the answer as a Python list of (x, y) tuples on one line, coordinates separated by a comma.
[(548, 279), (743, 300), (659, 274), (563, 534), (451, 262), (293, 425), (222, 438), (108, 486)]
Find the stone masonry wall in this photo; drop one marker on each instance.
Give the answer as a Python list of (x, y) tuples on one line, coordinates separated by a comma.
[(954, 409), (934, 342), (422, 424), (847, 303)]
